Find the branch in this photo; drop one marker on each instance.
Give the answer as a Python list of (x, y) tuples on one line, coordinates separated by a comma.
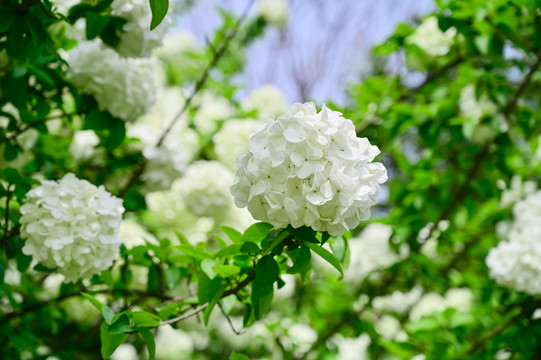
[(33, 125), (200, 308), (218, 54)]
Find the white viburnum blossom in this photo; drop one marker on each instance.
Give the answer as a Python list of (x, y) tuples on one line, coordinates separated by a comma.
[(71, 225), (370, 250), (516, 262), (124, 87), (204, 189), (267, 100), (166, 163), (176, 46), (136, 38), (431, 39), (309, 169), (133, 234), (458, 298), (352, 348), (518, 190), (83, 145), (210, 110), (125, 352), (232, 140), (475, 108), (173, 344), (398, 302), (275, 12)]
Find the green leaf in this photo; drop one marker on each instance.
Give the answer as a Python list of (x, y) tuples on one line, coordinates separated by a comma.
[(267, 270), (257, 232), (226, 270), (262, 304), (95, 24), (250, 248), (301, 260), (97, 304), (144, 319), (10, 151), (121, 324), (233, 234), (159, 10), (325, 255), (237, 356), (151, 344), (206, 287), (109, 342), (229, 251), (207, 265), (108, 314), (217, 296)]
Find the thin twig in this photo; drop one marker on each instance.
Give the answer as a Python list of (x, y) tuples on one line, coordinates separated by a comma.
[(33, 125)]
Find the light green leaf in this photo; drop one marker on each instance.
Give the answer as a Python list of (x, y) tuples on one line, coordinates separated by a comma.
[(151, 344), (108, 314), (226, 270), (325, 255)]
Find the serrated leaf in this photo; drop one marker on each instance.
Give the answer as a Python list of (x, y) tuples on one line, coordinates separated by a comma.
[(325, 255)]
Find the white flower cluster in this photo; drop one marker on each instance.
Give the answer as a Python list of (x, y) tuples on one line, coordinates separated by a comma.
[(267, 100), (205, 189), (166, 163), (275, 12), (370, 250), (457, 298), (176, 46), (232, 140), (352, 348), (398, 302), (309, 168), (518, 190), (136, 38), (210, 110), (475, 108), (83, 145), (516, 262), (431, 39), (124, 87), (73, 225)]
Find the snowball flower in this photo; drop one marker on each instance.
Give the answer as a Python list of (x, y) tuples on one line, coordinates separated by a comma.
[(516, 262), (125, 352), (82, 147), (309, 169), (275, 12), (267, 100), (475, 108), (71, 225), (124, 87), (431, 39), (352, 348), (398, 302), (176, 46), (210, 110), (232, 140), (370, 250), (205, 189), (458, 298), (136, 38)]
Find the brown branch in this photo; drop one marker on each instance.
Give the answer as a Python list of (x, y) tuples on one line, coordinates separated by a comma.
[(33, 125)]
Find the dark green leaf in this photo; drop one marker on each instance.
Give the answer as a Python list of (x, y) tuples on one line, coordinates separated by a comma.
[(110, 342), (151, 344), (256, 232), (159, 10)]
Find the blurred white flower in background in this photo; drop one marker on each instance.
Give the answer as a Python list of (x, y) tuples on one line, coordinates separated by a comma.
[(352, 348), (210, 110), (133, 234), (398, 302), (275, 12), (173, 344), (125, 352), (309, 168), (166, 163), (124, 87), (517, 190), (83, 145), (516, 261), (232, 140), (267, 101), (71, 225), (27, 140), (136, 38), (431, 39), (370, 250), (457, 298)]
